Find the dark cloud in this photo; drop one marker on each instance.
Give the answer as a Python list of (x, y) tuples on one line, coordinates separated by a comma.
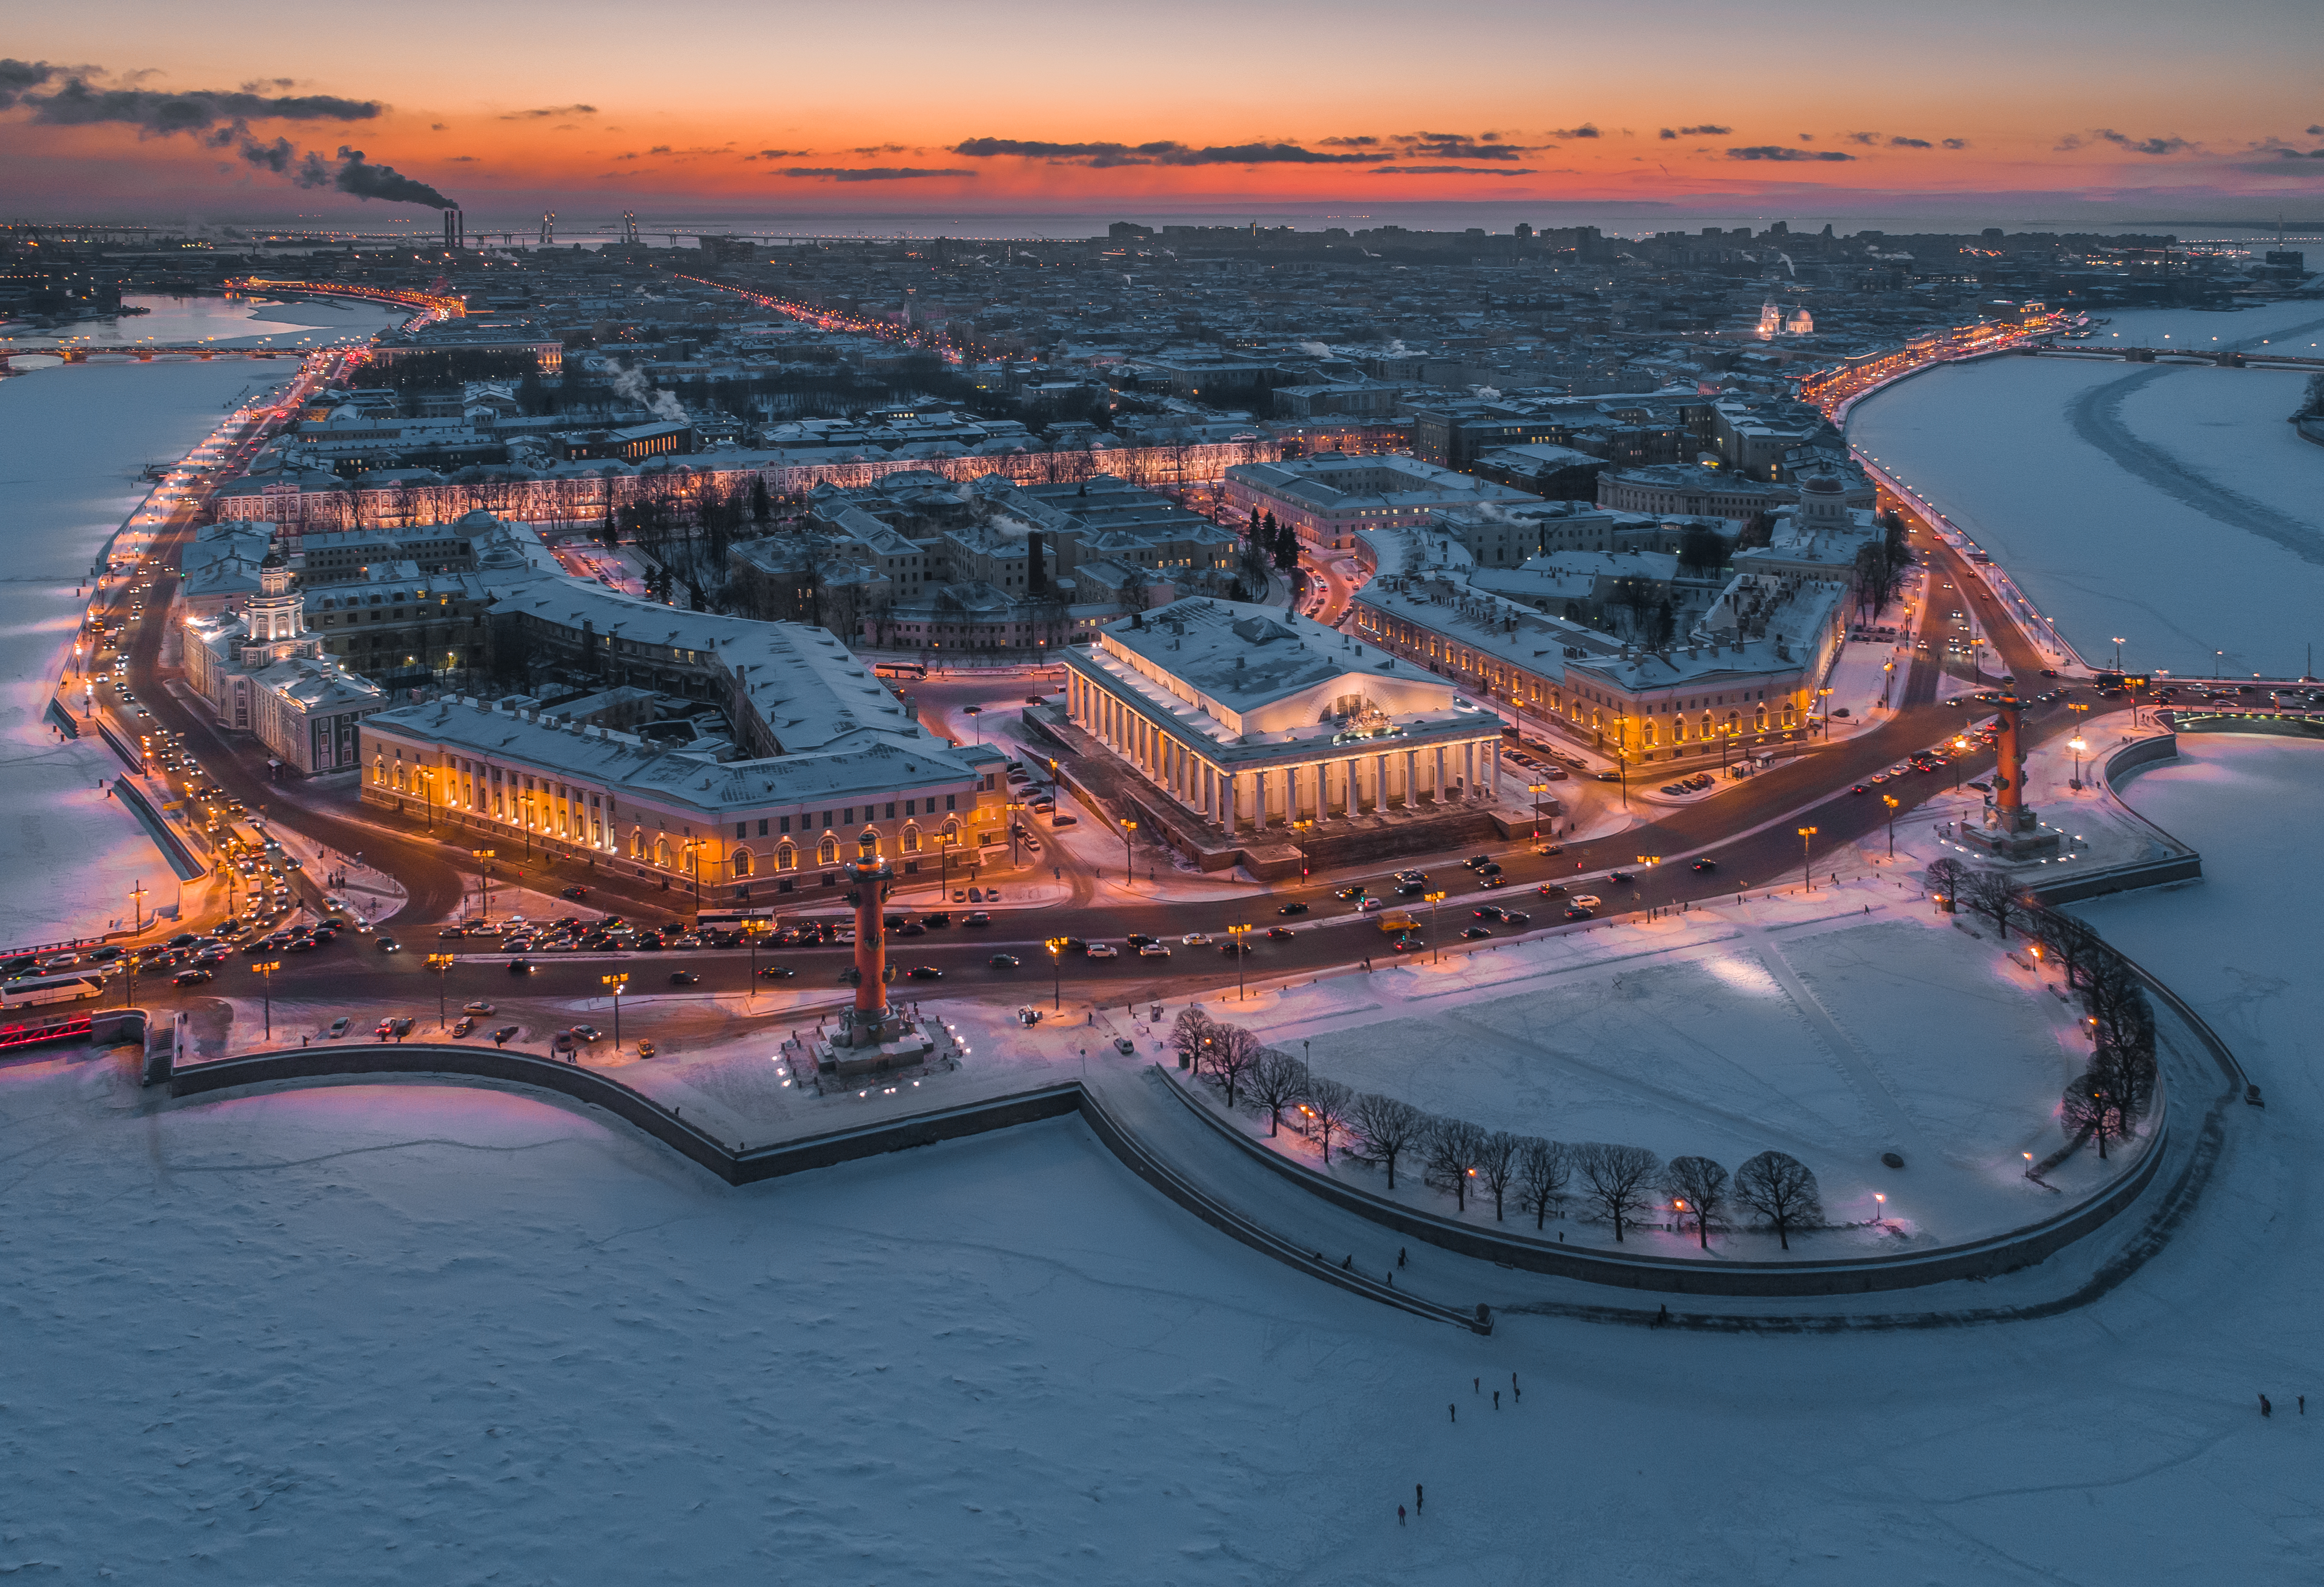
[(463, 160), (884, 149), (1956, 142), (1807, 137), (261, 85), (2067, 144), (2143, 145), (351, 173), (1451, 170), (276, 157), (1706, 130), (870, 173), (1455, 146), (438, 126), (1863, 137), (1785, 152), (1910, 143), (780, 154), (77, 103), (1351, 143), (659, 148), (17, 76), (1166, 152), (2316, 132), (550, 112), (1586, 130)]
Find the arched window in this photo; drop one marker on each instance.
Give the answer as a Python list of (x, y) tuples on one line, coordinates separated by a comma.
[(661, 852), (1789, 714), (785, 858), (637, 843), (951, 831), (1761, 720), (827, 852), (1734, 723), (910, 842), (1649, 730), (745, 864), (1706, 724)]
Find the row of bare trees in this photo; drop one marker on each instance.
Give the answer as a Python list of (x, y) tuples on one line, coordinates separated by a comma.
[(2105, 1102), (1616, 1185)]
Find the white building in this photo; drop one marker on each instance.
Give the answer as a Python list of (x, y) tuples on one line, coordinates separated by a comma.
[(1330, 499), (262, 673), (1254, 719)]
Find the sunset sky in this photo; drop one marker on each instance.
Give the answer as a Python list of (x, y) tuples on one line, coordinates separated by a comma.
[(122, 108)]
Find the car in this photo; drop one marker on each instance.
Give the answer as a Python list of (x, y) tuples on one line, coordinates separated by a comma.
[(1577, 912), (1473, 932), (1705, 865), (684, 978), (476, 1006), (463, 1025), (384, 1028), (390, 945), (1370, 906), (1293, 909), (1347, 893), (1064, 821), (1104, 950), (453, 932), (1474, 860), (1234, 950), (937, 921), (774, 972), (1861, 788), (1488, 911), (1489, 868), (1196, 939), (1409, 875), (1140, 938), (1281, 934), (647, 1049), (977, 917), (1154, 950), (1495, 880), (1407, 944), (1624, 877), (576, 893), (519, 967), (587, 1032), (1552, 889), (925, 972), (192, 977), (1004, 961)]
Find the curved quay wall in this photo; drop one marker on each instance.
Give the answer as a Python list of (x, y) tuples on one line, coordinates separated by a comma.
[(740, 1164)]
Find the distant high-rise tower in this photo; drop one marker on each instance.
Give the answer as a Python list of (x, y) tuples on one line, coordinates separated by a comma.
[(456, 229), (629, 226), (548, 227)]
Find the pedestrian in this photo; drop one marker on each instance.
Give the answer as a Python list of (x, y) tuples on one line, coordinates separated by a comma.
[(1476, 1385), (1455, 1411), (1399, 1256), (1391, 1278), (2266, 1409), (1496, 1399), (1349, 1266), (1419, 1500), (2304, 1405), (1662, 1316), (1399, 1515)]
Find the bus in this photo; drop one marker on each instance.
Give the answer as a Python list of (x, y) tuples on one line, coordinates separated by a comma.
[(71, 987), (899, 669)]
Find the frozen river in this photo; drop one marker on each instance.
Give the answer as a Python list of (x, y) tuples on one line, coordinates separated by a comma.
[(223, 322), (71, 442), (2168, 504)]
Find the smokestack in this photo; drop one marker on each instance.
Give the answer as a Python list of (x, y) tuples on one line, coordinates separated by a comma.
[(456, 229)]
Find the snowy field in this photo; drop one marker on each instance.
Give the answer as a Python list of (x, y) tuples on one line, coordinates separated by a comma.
[(71, 442), (2170, 504), (397, 1334)]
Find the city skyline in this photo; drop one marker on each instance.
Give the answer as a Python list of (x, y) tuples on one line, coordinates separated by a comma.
[(123, 108)]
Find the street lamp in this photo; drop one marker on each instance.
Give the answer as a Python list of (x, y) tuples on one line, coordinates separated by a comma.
[(1826, 693), (1960, 748), (1015, 830), (1239, 933), (617, 983), (486, 876), (441, 963), (1056, 947), (1807, 877), (1890, 801), (1536, 789), (136, 907), (1128, 827), (266, 992), (1435, 938), (2078, 745), (2118, 653), (971, 713)]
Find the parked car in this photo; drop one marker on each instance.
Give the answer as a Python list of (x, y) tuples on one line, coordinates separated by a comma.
[(338, 1027), (476, 1006), (647, 1049), (504, 1034), (1295, 908), (463, 1025)]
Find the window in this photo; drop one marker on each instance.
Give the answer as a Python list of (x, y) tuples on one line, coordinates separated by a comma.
[(739, 828), (949, 798), (763, 827), (661, 852), (744, 864), (827, 852), (910, 842), (785, 858), (891, 810), (786, 823)]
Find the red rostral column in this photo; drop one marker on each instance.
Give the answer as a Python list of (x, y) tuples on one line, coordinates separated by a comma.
[(873, 877), (2009, 777)]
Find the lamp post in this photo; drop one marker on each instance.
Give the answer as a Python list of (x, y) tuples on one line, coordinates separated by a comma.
[(1890, 801), (617, 983), (138, 907), (1826, 695), (973, 713), (1128, 827), (1537, 789), (1807, 877), (694, 847), (441, 963), (1015, 830), (1435, 951), (1239, 933), (266, 992), (1056, 947), (2078, 744), (486, 876), (1960, 748)]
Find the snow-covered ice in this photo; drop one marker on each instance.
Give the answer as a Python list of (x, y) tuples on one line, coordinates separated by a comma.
[(2170, 504), (71, 442)]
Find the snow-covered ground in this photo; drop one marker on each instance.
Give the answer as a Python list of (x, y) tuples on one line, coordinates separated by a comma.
[(223, 322), (2168, 504), (387, 1333), (71, 442)]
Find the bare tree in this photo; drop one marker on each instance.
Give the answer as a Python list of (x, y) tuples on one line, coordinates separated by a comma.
[(1497, 1165), (1276, 1081), (1451, 1146), (1699, 1185), (1191, 1035), (1782, 1191), (1543, 1168), (1994, 894), (1944, 877), (1390, 1128), (1330, 1105), (2069, 943), (1618, 1180), (1234, 1052), (2091, 1110)]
